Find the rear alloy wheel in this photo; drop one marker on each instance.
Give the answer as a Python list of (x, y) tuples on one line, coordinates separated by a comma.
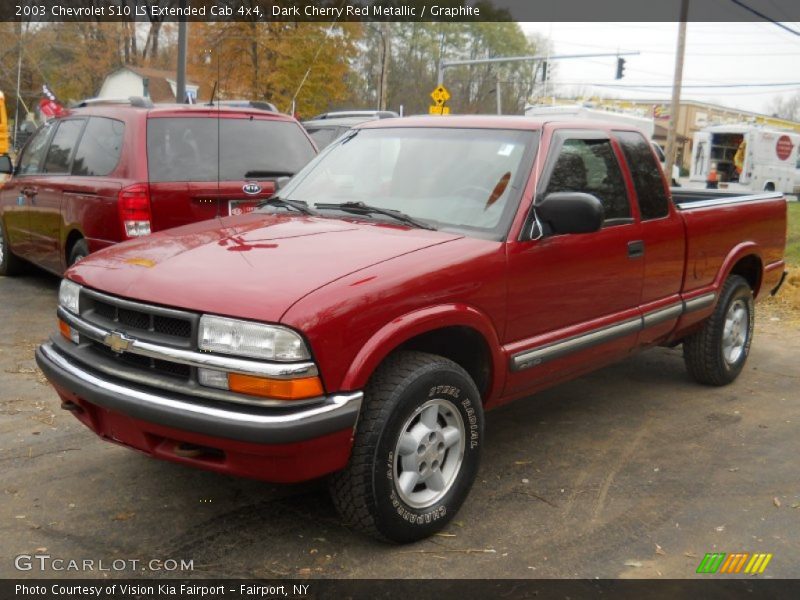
[(716, 354), (9, 263), (416, 450)]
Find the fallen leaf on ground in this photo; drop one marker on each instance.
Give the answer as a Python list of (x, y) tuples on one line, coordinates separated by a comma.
[(633, 563), (304, 571), (776, 502), (123, 516), (690, 554), (659, 550), (522, 462), (721, 528), (42, 549), (440, 534)]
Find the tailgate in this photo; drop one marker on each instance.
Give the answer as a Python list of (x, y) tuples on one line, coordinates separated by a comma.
[(179, 203), (203, 165)]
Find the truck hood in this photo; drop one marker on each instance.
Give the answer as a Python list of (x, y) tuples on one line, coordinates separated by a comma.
[(252, 266)]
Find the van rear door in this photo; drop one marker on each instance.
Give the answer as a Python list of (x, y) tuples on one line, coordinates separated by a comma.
[(215, 164)]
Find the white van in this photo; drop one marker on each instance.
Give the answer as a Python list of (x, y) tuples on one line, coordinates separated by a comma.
[(747, 157)]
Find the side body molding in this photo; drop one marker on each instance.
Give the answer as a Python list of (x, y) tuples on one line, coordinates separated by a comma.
[(537, 356)]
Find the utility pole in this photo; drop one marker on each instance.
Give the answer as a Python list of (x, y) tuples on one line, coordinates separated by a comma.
[(674, 108), (180, 84), (386, 39), (19, 76)]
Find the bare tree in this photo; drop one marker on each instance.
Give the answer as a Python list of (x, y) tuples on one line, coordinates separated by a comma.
[(785, 107)]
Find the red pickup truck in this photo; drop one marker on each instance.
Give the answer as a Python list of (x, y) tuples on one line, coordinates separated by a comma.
[(416, 273)]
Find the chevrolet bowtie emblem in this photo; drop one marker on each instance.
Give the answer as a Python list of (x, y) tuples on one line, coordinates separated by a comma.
[(118, 341)]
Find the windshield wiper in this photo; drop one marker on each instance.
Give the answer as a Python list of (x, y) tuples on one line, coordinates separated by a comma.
[(360, 208), (268, 174), (298, 205)]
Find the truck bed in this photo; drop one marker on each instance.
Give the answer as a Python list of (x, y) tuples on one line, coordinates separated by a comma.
[(721, 225), (695, 198)]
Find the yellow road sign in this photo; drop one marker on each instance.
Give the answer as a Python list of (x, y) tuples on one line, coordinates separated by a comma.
[(440, 95), (433, 109)]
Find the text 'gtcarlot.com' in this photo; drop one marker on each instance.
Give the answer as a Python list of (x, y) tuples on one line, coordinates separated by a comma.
[(46, 562)]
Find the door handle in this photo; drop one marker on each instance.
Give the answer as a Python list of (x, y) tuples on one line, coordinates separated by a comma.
[(636, 249)]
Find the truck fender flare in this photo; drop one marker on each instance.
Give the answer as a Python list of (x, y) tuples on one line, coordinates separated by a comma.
[(405, 327), (737, 253)]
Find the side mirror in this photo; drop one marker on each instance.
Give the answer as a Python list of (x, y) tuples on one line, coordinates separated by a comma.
[(570, 212), (6, 166)]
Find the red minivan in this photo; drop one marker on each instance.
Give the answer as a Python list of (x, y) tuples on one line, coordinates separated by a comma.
[(108, 171)]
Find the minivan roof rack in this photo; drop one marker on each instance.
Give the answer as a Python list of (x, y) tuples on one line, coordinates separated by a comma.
[(135, 101)]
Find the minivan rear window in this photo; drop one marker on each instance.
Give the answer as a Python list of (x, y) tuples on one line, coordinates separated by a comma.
[(190, 149)]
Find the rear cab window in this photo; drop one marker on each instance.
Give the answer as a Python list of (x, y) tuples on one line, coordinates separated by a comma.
[(200, 149), (651, 191), (589, 165)]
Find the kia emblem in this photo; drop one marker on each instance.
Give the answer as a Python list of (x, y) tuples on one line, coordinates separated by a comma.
[(251, 188)]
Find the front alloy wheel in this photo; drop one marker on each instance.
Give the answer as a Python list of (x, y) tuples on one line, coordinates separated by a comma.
[(416, 450)]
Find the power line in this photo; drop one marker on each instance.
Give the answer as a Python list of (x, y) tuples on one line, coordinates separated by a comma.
[(765, 17), (698, 86)]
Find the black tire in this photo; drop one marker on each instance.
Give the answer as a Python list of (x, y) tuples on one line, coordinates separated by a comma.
[(367, 493), (705, 354), (10, 264), (80, 250)]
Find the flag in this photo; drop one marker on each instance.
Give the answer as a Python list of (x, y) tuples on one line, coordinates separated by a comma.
[(49, 105)]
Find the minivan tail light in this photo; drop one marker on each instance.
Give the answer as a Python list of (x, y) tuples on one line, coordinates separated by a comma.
[(134, 210)]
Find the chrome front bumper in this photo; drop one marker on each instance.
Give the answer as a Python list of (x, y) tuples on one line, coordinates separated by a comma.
[(268, 425)]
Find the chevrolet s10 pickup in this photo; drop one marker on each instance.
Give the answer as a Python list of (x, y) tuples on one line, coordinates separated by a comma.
[(417, 273)]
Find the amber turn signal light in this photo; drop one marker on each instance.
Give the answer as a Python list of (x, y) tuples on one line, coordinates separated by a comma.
[(67, 332), (281, 389)]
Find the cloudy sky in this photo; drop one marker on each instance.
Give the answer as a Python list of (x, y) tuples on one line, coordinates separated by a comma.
[(719, 54)]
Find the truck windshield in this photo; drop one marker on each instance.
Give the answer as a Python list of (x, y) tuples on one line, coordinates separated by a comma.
[(231, 149), (461, 180)]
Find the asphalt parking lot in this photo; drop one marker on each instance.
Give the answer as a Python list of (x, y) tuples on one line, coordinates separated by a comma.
[(633, 471)]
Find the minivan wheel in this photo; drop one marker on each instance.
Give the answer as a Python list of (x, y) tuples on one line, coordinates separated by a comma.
[(9, 263), (716, 354), (416, 449), (80, 250)]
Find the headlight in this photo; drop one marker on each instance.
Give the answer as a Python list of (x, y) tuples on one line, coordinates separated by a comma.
[(245, 338), (68, 295)]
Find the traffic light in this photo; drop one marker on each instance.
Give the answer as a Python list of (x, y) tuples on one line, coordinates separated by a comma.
[(544, 70), (620, 68)]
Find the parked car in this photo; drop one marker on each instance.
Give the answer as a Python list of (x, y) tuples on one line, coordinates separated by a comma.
[(417, 273), (326, 131), (346, 114), (109, 171)]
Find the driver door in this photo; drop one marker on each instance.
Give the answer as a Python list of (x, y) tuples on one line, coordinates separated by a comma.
[(573, 299)]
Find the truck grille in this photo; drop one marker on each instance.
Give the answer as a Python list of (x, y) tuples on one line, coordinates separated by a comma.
[(143, 321), (162, 326), (163, 367)]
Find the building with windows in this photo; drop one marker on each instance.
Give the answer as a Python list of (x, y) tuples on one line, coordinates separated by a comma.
[(155, 84)]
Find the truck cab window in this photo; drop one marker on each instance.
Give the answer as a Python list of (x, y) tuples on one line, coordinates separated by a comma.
[(646, 174), (590, 166)]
